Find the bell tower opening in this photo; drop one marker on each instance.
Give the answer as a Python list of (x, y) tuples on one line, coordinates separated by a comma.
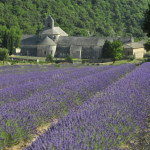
[(49, 22)]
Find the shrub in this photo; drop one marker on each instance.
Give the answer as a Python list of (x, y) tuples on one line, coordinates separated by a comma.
[(147, 54), (57, 65), (146, 60), (131, 57), (69, 59), (147, 45), (49, 58), (3, 54)]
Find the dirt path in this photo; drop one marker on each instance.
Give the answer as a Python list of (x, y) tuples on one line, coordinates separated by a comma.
[(23, 144)]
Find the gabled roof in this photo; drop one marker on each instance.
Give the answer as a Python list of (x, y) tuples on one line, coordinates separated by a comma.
[(60, 31), (47, 41), (54, 31), (133, 45), (80, 41), (48, 31), (49, 18), (86, 41), (29, 39)]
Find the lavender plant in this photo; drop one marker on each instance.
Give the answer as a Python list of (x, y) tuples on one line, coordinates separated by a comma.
[(109, 120), (21, 116)]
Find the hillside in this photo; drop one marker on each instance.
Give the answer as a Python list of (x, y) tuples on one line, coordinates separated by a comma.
[(76, 17)]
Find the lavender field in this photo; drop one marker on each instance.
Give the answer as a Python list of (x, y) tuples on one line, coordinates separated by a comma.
[(96, 107)]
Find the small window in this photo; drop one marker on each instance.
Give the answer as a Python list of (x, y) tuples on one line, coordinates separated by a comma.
[(48, 25), (45, 52)]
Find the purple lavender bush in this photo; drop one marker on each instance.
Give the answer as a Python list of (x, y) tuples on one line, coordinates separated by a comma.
[(107, 121), (21, 116)]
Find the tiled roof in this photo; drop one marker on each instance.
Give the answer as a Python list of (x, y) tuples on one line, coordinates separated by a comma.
[(133, 45), (47, 41), (29, 40), (54, 31), (86, 41)]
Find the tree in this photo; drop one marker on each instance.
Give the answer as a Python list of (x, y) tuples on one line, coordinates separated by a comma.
[(101, 17), (147, 45), (3, 54), (117, 50), (10, 38), (146, 24), (106, 50), (112, 50)]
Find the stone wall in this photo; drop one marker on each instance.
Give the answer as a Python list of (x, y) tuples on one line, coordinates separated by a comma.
[(25, 51), (75, 51), (62, 52), (139, 53), (128, 51), (91, 52), (43, 51)]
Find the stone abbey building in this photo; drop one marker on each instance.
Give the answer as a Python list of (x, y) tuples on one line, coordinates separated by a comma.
[(53, 40)]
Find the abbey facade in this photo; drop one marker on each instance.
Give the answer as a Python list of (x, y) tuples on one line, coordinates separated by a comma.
[(53, 40)]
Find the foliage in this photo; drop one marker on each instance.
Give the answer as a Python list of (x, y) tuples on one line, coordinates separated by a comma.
[(76, 17), (146, 24), (147, 45), (32, 95), (49, 58), (68, 59), (109, 120), (117, 49), (57, 65), (147, 54), (10, 37), (106, 50), (112, 50), (131, 57), (3, 54)]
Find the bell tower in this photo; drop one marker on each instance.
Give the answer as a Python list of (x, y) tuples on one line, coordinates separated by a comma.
[(49, 22)]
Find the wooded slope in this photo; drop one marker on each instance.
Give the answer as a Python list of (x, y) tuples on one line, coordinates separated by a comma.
[(76, 17)]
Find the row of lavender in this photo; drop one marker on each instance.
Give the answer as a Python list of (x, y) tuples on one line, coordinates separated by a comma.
[(20, 117), (109, 120), (27, 84), (21, 74)]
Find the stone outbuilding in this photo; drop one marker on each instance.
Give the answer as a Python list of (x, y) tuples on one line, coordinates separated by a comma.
[(135, 48)]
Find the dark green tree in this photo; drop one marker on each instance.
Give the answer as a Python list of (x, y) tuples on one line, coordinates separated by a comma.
[(106, 50), (112, 50), (3, 54), (76, 17), (146, 23), (10, 38), (147, 45)]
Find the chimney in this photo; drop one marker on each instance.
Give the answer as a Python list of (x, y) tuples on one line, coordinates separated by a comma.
[(131, 39)]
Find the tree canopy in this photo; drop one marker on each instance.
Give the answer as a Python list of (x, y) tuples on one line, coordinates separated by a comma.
[(146, 24), (3, 54), (106, 50), (117, 50), (10, 37), (147, 45), (76, 17), (112, 49)]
